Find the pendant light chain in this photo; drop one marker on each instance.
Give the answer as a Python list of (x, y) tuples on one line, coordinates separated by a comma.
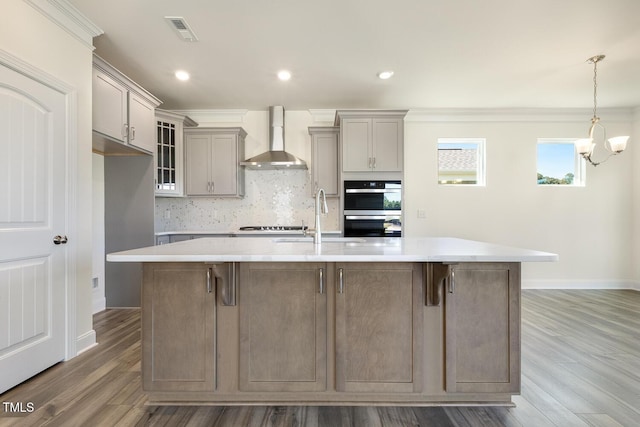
[(595, 89)]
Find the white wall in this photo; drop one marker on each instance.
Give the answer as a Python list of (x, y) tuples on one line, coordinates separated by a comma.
[(30, 36), (634, 151), (588, 227), (98, 293)]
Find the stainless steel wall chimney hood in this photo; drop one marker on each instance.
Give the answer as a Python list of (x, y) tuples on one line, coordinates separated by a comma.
[(276, 157)]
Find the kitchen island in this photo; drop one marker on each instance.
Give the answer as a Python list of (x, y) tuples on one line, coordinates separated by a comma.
[(396, 321)]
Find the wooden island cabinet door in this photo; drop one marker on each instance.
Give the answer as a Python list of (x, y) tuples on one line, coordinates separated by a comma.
[(178, 328), (379, 327), (283, 327), (482, 328)]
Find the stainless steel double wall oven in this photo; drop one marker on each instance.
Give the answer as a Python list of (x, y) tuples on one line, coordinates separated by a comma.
[(373, 208)]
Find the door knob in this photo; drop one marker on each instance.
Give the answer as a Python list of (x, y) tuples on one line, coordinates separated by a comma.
[(60, 240)]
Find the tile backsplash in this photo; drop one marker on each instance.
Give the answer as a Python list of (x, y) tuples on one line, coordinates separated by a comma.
[(272, 197)]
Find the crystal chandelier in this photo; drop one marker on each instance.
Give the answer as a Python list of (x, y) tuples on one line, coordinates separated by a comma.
[(585, 146)]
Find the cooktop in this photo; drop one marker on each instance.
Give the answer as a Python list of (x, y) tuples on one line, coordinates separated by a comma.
[(273, 228)]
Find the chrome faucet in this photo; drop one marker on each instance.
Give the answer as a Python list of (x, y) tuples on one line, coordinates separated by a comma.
[(319, 210)]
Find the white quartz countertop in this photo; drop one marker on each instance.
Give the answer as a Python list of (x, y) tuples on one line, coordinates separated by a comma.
[(239, 232), (260, 249)]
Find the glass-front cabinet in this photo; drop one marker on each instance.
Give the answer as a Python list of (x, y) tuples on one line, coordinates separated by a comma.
[(170, 153)]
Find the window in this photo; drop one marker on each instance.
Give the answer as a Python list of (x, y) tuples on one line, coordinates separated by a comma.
[(558, 163), (461, 161)]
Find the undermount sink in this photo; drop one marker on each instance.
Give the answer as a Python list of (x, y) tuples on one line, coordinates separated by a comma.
[(324, 240)]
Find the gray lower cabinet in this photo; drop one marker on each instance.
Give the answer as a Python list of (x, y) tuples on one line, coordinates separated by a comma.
[(379, 327), (182, 237), (482, 332), (283, 326), (339, 333), (178, 328), (163, 240)]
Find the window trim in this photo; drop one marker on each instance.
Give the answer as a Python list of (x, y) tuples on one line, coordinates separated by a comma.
[(481, 175)]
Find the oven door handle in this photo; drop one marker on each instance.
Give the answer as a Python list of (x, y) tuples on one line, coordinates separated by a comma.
[(382, 217), (373, 212), (372, 190)]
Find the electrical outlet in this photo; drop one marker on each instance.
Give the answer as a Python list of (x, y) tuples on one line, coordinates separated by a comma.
[(422, 213)]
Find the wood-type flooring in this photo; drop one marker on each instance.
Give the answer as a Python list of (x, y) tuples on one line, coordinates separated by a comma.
[(580, 367)]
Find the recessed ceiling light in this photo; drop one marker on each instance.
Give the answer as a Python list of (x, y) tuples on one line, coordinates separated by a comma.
[(182, 75), (384, 75), (284, 75)]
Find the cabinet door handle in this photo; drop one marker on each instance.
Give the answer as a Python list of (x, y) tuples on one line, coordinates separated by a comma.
[(209, 287), (340, 281), (321, 280), (452, 282), (133, 133), (374, 162), (369, 162), (125, 131)]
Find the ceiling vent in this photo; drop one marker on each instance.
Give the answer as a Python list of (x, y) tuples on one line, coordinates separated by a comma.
[(180, 26)]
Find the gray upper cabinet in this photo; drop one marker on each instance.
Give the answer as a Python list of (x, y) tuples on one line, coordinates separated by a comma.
[(482, 332), (372, 141), (213, 158), (109, 106), (123, 112), (324, 159), (169, 153), (141, 118)]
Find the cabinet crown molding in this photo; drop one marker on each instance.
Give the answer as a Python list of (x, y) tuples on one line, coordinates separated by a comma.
[(170, 115), (342, 114), (105, 67), (323, 129), (212, 130), (215, 116)]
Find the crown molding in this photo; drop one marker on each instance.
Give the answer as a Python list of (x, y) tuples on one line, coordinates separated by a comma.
[(70, 19), (172, 115), (517, 115), (215, 116), (322, 115)]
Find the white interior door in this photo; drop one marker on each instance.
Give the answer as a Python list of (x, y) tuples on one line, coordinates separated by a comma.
[(33, 203)]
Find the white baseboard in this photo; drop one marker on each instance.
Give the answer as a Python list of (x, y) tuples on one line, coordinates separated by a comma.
[(86, 341), (581, 284)]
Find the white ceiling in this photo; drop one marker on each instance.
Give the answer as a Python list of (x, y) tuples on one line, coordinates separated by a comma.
[(445, 54)]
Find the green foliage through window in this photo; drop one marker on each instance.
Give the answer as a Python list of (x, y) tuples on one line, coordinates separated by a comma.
[(567, 180)]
